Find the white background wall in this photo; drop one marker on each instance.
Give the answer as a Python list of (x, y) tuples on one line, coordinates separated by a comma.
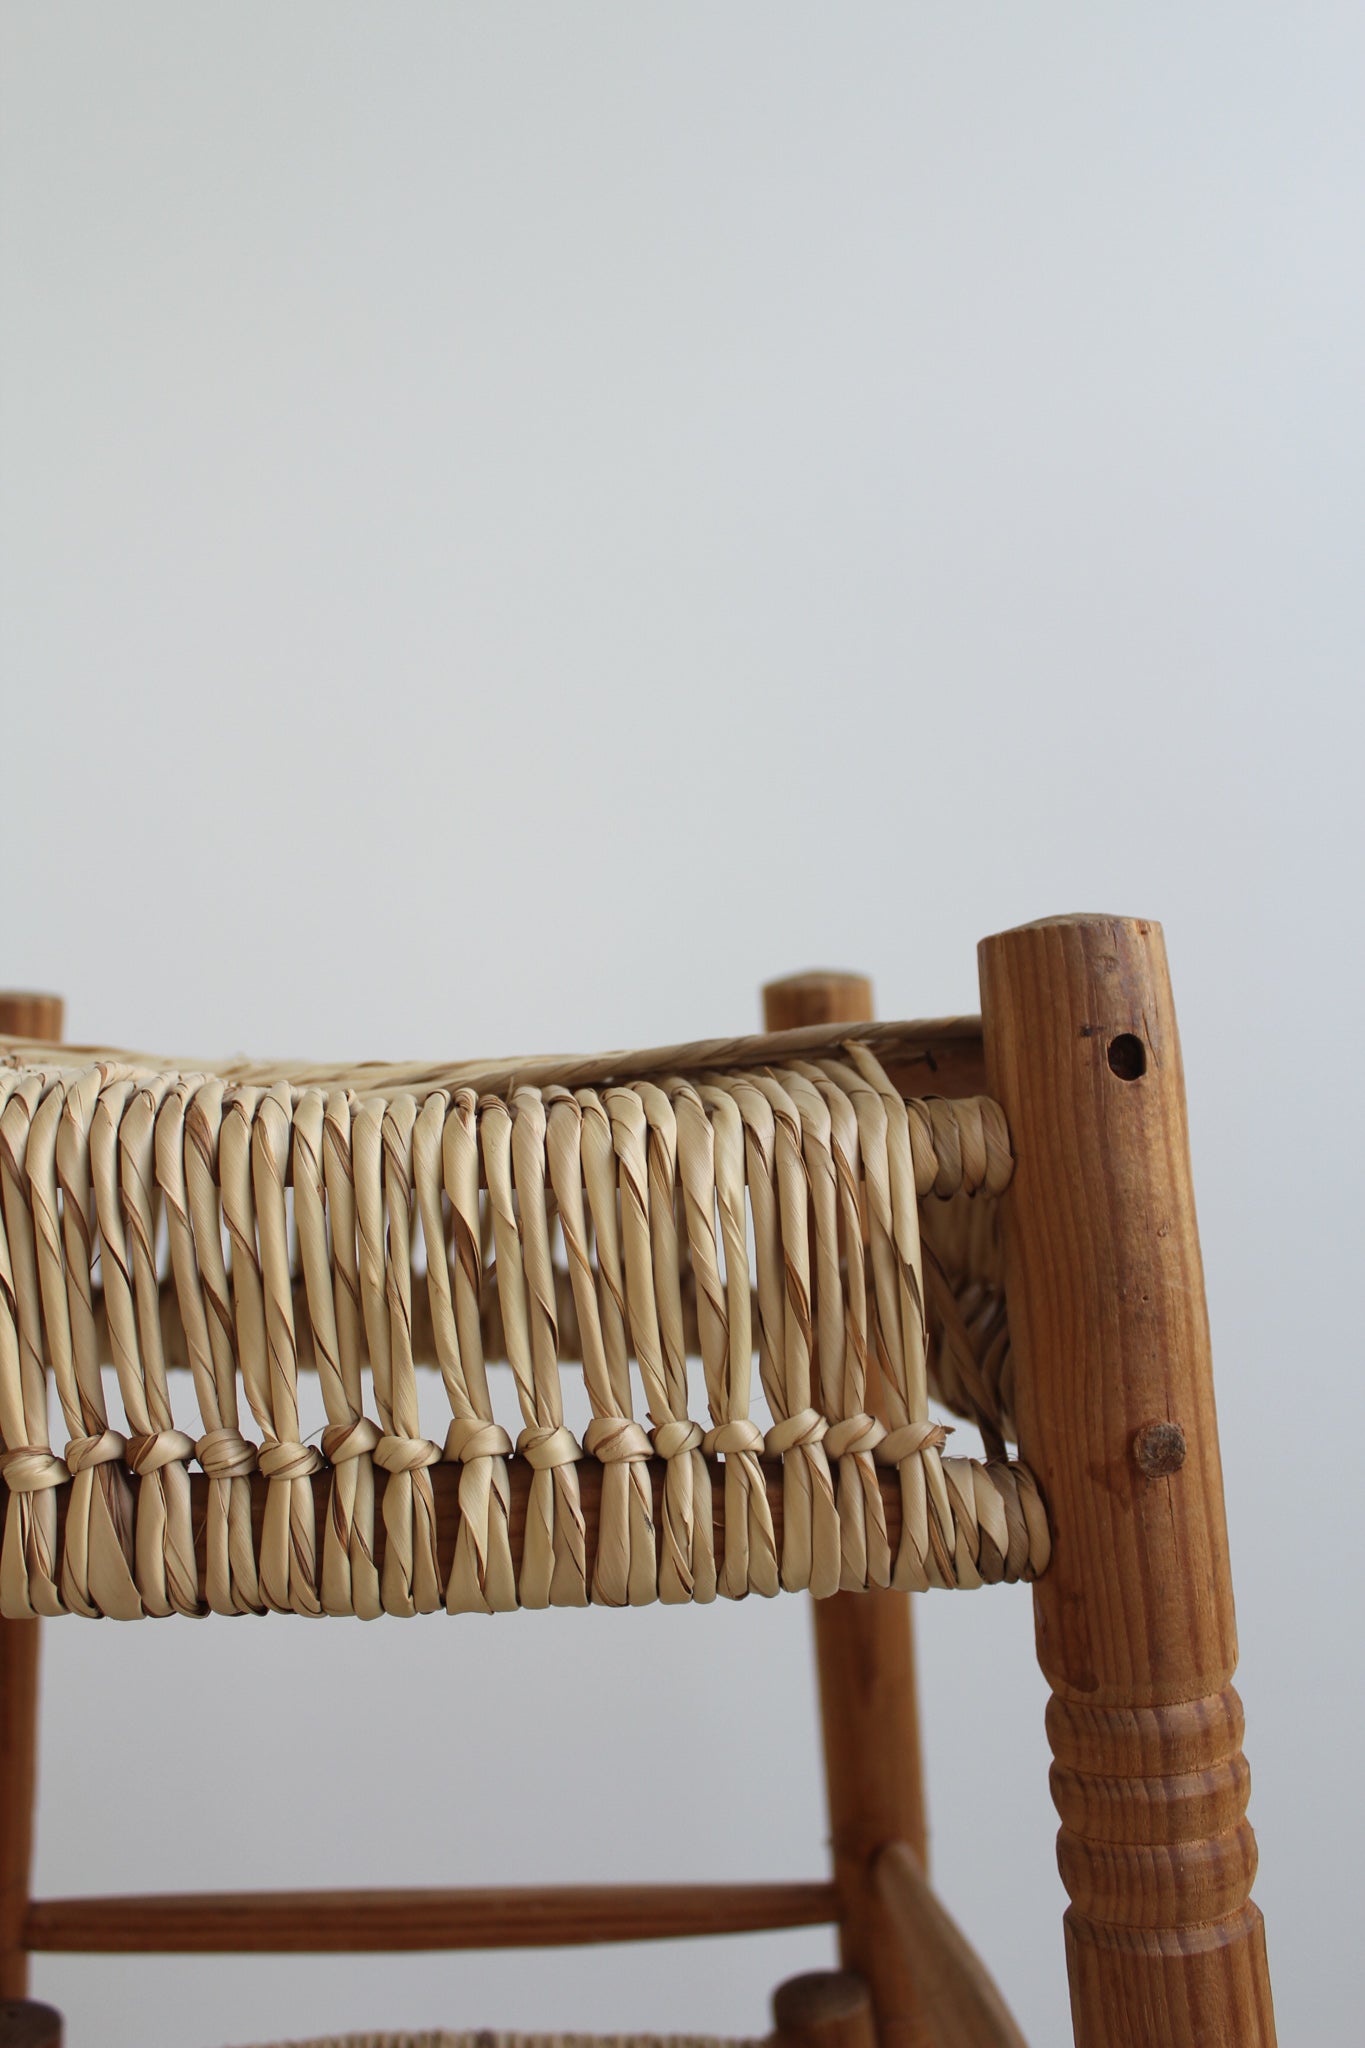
[(520, 523)]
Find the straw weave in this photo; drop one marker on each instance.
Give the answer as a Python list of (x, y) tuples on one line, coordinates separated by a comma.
[(621, 1212), (491, 2040)]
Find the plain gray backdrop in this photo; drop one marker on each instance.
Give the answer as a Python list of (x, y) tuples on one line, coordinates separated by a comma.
[(520, 522)]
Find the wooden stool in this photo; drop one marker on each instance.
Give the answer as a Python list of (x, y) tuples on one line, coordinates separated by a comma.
[(1000, 1210)]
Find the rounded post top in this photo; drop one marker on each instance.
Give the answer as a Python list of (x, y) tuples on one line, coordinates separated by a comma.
[(813, 978), (1103, 920), (830, 2007), (30, 1013), (819, 996)]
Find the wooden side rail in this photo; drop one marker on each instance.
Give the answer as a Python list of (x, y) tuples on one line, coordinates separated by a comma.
[(959, 1999), (333, 1922)]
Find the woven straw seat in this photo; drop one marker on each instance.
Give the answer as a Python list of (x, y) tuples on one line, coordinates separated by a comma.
[(663, 1326), (755, 1204)]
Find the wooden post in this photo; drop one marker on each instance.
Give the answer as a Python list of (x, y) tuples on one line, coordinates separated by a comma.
[(24, 2025), (22, 1016), (1116, 1418), (824, 2009), (26, 1015), (865, 1655)]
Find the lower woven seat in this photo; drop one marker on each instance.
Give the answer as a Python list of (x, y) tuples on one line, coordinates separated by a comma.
[(492, 2040)]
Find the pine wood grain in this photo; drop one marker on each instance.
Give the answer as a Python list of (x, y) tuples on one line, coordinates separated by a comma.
[(1116, 1418), (335, 1922)]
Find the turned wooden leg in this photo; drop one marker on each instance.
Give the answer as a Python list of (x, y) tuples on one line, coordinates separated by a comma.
[(21, 1016), (869, 1713), (1116, 1419)]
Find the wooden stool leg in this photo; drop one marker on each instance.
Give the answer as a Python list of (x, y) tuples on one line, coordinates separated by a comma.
[(23, 1016), (826, 2009), (1116, 1418), (25, 2025), (18, 1770), (864, 1651)]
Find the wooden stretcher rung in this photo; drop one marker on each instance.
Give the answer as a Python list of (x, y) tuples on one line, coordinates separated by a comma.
[(286, 1923)]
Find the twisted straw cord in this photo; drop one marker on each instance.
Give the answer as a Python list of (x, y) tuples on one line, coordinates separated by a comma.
[(197, 1223), (852, 1441), (711, 1161), (28, 1583), (687, 1571), (483, 1577), (811, 1551), (553, 1568), (412, 1577), (350, 1580), (231, 1585), (624, 1574), (252, 1156), (97, 1577)]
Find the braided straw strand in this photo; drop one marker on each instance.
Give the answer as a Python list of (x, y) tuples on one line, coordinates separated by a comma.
[(482, 1578), (96, 1576), (28, 1566)]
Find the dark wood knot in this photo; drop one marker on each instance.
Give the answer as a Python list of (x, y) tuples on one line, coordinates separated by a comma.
[(1159, 1449)]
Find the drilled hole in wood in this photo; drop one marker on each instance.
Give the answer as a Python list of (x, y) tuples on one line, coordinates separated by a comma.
[(1127, 1056)]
